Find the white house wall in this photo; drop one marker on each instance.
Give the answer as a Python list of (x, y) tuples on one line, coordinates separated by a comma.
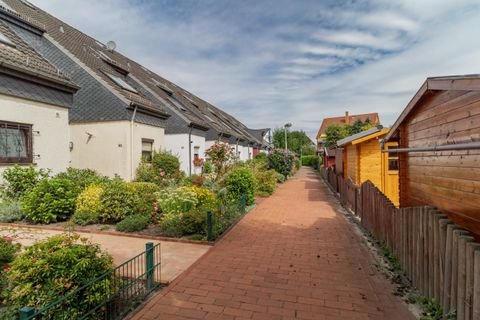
[(50, 130), (177, 144), (105, 146)]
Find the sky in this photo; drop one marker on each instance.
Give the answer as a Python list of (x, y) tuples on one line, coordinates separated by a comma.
[(269, 62)]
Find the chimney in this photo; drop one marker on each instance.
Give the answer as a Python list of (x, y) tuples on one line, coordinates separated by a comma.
[(347, 118)]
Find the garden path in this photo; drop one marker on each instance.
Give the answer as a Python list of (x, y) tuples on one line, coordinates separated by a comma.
[(295, 256), (176, 256)]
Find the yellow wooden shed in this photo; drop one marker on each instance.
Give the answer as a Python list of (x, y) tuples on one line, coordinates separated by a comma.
[(363, 160)]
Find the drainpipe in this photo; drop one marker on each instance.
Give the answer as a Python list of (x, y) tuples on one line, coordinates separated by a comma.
[(190, 151), (236, 148), (132, 169)]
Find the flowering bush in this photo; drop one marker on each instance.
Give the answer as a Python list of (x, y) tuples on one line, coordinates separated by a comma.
[(219, 154), (177, 201), (281, 161), (163, 170)]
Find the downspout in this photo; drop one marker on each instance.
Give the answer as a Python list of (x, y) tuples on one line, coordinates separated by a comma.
[(132, 169), (236, 148), (190, 151)]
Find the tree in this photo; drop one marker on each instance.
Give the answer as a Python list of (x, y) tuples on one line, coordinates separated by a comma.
[(336, 132), (297, 141)]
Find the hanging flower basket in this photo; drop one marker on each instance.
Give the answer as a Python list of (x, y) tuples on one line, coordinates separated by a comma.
[(198, 162)]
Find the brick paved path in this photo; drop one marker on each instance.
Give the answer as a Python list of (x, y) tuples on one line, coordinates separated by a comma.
[(292, 257)]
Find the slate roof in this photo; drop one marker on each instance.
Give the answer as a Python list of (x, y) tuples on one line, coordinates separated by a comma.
[(19, 56), (154, 92), (343, 120)]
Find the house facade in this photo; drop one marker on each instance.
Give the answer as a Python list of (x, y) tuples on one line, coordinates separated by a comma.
[(439, 149), (123, 110), (35, 100)]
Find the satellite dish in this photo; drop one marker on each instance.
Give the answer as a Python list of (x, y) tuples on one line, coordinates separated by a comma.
[(111, 45)]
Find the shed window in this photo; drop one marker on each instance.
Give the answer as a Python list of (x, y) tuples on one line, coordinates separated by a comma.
[(392, 159), (147, 150), (15, 142)]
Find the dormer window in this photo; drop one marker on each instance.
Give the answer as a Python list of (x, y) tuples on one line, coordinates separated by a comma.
[(122, 83), (6, 41)]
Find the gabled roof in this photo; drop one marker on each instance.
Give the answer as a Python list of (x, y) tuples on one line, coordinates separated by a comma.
[(350, 119), (460, 82), (17, 56), (362, 136)]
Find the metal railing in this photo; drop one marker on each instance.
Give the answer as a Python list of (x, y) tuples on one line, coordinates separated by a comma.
[(224, 218), (110, 296)]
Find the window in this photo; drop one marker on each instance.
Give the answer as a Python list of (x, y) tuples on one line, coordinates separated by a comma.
[(196, 152), (122, 83), (15, 142), (147, 150), (393, 159)]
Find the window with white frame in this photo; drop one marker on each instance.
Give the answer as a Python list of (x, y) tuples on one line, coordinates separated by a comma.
[(15, 142)]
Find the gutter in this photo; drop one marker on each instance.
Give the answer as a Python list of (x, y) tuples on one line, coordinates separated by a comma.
[(190, 150), (448, 147), (132, 121)]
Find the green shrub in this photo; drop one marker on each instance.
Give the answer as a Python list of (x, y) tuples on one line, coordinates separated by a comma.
[(51, 269), (266, 182), (89, 204), (133, 223), (261, 156), (84, 217), (121, 199), (19, 180), (280, 178), (11, 211), (280, 161), (207, 167), (241, 181), (206, 199), (171, 224), (312, 161), (297, 163), (50, 201), (163, 170), (167, 162), (7, 251), (82, 177), (194, 222), (178, 200)]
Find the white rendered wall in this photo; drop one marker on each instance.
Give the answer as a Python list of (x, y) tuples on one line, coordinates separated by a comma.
[(50, 130), (108, 149), (177, 144)]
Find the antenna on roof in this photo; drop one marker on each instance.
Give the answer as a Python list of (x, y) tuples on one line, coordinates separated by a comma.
[(111, 45)]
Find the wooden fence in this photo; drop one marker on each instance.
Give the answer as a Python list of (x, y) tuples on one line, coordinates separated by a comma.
[(441, 259)]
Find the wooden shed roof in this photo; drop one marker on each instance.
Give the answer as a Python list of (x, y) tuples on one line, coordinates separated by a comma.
[(363, 136), (460, 82)]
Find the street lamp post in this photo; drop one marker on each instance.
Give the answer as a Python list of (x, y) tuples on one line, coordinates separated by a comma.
[(286, 126)]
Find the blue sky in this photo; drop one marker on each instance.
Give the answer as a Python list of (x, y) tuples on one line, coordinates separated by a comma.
[(271, 62)]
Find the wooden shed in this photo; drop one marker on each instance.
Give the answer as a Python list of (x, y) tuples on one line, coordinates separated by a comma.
[(363, 160), (439, 149)]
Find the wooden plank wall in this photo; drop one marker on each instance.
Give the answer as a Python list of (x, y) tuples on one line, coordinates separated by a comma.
[(441, 259), (370, 162), (447, 180)]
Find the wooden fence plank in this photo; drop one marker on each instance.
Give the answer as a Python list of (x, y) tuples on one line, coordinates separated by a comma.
[(476, 287), (448, 267), (443, 239), (469, 278), (454, 283), (462, 268)]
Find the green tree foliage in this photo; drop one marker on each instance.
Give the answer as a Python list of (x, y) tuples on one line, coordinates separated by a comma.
[(336, 132), (297, 141), (281, 162)]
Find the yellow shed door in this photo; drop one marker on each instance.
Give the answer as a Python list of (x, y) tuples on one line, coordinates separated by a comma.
[(390, 182)]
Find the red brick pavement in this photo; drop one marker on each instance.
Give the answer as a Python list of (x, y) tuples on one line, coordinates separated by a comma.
[(292, 257)]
